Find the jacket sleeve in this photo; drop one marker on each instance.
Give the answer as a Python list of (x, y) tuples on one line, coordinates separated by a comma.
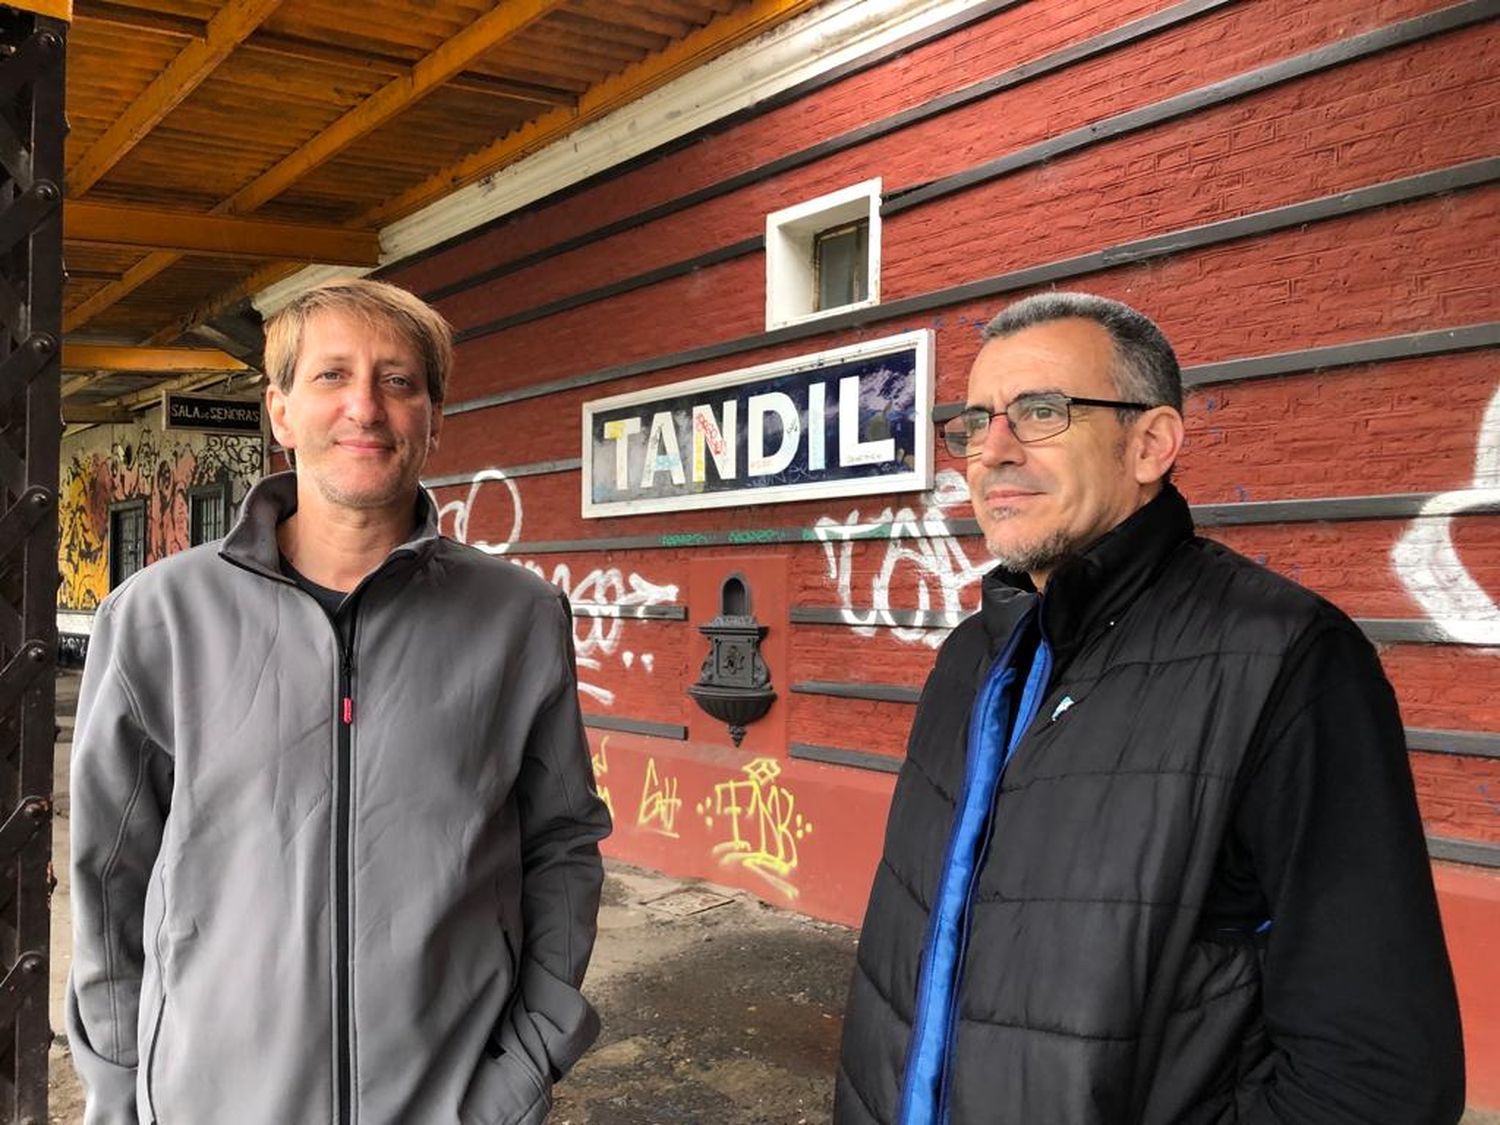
[(120, 793), (1360, 1007), (562, 821)]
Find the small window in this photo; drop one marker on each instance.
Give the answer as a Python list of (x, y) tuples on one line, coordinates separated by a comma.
[(841, 257), (127, 540), (823, 256), (208, 513)]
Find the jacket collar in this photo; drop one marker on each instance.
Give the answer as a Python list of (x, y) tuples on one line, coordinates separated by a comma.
[(252, 541), (1094, 587)]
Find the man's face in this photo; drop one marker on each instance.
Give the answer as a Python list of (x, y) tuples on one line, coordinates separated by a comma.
[(1039, 502), (357, 415)]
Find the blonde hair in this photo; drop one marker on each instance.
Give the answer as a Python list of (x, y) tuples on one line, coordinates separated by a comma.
[(379, 303)]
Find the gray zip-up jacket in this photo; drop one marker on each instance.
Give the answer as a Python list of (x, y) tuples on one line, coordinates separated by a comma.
[(326, 882)]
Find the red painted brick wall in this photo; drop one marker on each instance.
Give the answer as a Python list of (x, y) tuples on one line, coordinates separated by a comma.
[(807, 835)]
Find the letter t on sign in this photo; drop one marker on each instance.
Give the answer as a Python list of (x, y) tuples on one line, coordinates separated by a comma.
[(618, 430)]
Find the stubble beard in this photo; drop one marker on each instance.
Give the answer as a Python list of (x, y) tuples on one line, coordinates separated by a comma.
[(1029, 558), (402, 484), (369, 499)]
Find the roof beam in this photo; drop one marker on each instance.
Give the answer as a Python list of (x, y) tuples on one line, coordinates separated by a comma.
[(123, 358), (194, 63), (116, 291), (151, 229), (504, 21), (83, 382), (134, 18), (494, 27), (720, 36), (140, 19), (74, 273), (152, 395), (723, 34), (267, 275), (95, 414), (295, 47)]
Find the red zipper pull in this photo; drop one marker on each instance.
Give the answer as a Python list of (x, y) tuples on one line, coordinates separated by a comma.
[(348, 711)]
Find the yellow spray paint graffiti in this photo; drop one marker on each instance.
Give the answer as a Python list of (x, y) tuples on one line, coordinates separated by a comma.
[(84, 573), (762, 822), (659, 803), (599, 759)]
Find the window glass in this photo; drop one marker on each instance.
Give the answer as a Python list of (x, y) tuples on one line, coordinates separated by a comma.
[(841, 258)]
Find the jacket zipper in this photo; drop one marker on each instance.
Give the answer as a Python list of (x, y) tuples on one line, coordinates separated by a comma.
[(921, 1014), (1033, 694), (161, 1011), (342, 815)]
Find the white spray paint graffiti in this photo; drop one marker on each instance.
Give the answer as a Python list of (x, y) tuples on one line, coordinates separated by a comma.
[(943, 570), (458, 512), (1427, 562), (603, 599)]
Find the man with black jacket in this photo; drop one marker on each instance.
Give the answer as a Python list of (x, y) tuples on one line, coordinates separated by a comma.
[(1154, 855)]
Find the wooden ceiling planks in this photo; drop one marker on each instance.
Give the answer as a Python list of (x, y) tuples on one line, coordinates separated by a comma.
[(319, 111)]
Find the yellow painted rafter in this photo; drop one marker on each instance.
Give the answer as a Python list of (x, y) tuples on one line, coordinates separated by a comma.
[(184, 74), (95, 414), (57, 9), (123, 358), (718, 37), (268, 274), (494, 27), (723, 34), (132, 18), (151, 395), (502, 22), (148, 228), (84, 382), (136, 276)]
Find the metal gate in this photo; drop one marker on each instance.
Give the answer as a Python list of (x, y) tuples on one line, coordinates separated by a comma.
[(32, 49)]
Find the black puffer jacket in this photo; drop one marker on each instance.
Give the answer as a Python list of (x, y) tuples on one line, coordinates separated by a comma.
[(1216, 749)]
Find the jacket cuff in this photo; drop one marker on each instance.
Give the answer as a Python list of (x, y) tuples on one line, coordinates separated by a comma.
[(109, 1088), (562, 1024)]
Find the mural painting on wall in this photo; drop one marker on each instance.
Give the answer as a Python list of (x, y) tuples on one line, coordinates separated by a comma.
[(138, 469)]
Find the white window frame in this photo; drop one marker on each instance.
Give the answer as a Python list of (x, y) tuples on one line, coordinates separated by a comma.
[(791, 284)]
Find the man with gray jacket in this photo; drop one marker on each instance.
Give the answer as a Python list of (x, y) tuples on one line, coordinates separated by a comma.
[(335, 835)]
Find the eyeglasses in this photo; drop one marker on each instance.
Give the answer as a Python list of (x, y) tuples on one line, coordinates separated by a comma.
[(1030, 417)]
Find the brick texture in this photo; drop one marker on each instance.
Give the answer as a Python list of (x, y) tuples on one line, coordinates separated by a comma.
[(1390, 427)]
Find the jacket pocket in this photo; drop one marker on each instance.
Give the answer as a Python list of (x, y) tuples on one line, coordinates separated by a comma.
[(505, 1091), (507, 1088), (1210, 1034)]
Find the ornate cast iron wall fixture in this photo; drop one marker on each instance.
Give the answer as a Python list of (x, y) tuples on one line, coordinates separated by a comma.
[(735, 684), (32, 48)]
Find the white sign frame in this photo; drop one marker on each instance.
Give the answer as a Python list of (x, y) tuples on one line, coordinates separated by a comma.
[(916, 479)]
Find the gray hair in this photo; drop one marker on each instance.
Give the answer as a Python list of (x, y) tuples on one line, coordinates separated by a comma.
[(1146, 367)]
